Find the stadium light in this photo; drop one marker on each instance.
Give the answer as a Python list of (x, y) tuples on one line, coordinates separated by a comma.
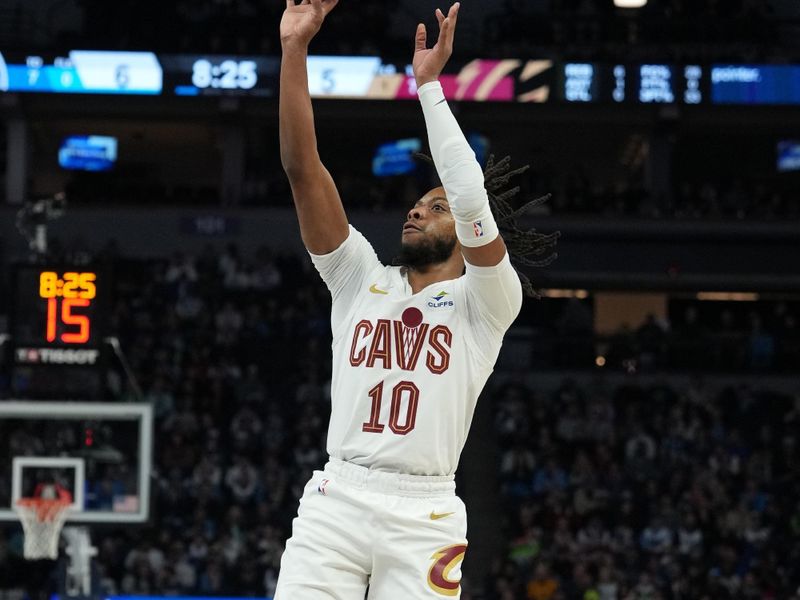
[(629, 3)]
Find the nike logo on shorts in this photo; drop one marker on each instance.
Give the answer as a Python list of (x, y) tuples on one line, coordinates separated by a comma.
[(437, 516)]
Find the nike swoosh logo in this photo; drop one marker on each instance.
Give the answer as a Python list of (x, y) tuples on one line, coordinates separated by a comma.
[(374, 289), (437, 516), (440, 101)]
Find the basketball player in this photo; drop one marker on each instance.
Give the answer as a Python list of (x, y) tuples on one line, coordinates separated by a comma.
[(413, 346)]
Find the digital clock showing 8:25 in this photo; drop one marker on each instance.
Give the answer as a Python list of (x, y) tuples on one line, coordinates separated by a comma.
[(228, 74), (215, 75), (66, 296)]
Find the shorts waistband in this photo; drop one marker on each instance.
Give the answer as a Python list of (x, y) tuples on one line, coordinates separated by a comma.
[(399, 484)]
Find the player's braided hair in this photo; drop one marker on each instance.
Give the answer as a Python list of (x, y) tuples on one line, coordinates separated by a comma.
[(526, 248)]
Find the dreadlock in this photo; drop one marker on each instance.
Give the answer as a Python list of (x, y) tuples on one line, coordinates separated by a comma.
[(526, 248)]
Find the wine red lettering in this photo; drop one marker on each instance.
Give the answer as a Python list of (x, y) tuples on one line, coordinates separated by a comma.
[(362, 330), (381, 348), (441, 340)]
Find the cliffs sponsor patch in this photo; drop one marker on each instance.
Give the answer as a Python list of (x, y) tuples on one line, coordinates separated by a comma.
[(440, 300)]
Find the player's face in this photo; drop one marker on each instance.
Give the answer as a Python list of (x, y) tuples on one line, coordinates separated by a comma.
[(429, 218), (429, 233)]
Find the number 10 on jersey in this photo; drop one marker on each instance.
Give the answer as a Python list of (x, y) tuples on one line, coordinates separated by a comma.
[(404, 392)]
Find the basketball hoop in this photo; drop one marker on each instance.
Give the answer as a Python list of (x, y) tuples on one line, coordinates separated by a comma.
[(42, 519)]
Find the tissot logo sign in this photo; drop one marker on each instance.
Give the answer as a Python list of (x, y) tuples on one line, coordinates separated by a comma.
[(56, 356)]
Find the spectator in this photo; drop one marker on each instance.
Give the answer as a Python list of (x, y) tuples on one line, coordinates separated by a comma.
[(542, 585), (241, 480), (549, 478), (516, 469), (656, 537), (690, 537)]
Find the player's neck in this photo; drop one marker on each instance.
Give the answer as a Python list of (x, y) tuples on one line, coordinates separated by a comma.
[(421, 277)]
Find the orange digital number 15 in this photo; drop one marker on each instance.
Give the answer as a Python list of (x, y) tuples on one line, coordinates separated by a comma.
[(67, 318)]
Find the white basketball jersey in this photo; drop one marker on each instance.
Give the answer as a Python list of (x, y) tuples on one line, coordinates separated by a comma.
[(408, 368)]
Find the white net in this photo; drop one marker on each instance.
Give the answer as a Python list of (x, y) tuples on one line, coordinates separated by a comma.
[(42, 520)]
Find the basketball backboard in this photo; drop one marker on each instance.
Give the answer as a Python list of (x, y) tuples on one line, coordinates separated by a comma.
[(100, 452)]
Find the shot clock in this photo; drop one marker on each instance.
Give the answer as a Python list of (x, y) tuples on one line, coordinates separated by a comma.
[(58, 315), (73, 291), (57, 326)]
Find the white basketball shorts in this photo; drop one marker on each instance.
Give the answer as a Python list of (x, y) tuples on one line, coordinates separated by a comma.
[(403, 535)]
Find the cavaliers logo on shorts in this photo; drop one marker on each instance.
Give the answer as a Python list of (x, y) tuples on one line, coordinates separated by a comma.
[(439, 574)]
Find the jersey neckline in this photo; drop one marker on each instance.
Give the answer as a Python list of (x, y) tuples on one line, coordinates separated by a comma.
[(407, 286)]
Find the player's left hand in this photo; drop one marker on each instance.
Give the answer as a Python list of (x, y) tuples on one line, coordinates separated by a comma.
[(429, 62), (301, 22)]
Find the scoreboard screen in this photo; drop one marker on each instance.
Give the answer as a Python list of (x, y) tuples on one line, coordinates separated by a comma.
[(512, 79), (653, 83), (218, 75), (82, 72)]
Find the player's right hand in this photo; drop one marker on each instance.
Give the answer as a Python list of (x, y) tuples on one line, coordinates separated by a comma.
[(301, 22), (429, 62)]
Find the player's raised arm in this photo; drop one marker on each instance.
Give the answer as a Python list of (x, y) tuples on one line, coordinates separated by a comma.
[(323, 223), (455, 161)]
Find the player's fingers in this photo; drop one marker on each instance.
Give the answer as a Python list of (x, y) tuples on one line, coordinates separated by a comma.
[(452, 14), (444, 32), (449, 26), (439, 17), (327, 5), (420, 38), (317, 7), (289, 3)]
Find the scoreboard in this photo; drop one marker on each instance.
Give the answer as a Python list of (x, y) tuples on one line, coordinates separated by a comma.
[(82, 72), (633, 83), (214, 75), (371, 77), (665, 83)]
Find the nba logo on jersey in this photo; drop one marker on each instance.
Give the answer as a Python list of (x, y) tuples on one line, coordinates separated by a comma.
[(321, 487), (478, 227)]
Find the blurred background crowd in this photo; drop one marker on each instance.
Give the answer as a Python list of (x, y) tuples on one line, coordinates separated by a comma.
[(647, 491), (610, 489)]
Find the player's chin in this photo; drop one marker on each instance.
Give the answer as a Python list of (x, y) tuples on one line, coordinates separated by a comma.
[(412, 237)]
